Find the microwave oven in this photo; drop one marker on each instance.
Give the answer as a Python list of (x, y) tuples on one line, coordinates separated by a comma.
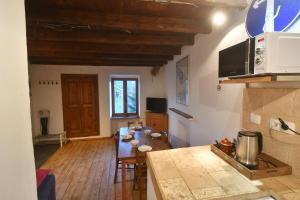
[(268, 53)]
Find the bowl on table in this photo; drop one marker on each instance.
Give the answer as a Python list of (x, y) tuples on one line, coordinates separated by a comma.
[(134, 143), (155, 135), (127, 137), (131, 132), (138, 128), (144, 148)]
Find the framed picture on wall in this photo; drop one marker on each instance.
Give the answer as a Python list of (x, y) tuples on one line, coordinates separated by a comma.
[(182, 81)]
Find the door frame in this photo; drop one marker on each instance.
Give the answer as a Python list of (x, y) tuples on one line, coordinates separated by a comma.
[(63, 76)]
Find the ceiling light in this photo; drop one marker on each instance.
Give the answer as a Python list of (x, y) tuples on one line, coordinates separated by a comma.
[(219, 18)]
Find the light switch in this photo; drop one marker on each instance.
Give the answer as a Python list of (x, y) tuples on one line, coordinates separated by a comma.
[(254, 118)]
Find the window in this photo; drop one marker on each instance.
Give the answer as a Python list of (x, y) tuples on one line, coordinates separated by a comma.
[(124, 97)]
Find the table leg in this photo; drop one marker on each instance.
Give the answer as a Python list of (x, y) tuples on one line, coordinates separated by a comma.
[(123, 180), (61, 139)]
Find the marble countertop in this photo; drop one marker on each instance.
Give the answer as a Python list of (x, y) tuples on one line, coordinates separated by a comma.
[(197, 173)]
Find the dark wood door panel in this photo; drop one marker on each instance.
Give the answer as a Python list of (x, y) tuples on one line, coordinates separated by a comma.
[(72, 121), (81, 106), (88, 92), (89, 121), (71, 93)]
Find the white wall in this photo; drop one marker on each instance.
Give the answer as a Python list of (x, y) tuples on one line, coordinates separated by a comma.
[(216, 113), (49, 96), (17, 169)]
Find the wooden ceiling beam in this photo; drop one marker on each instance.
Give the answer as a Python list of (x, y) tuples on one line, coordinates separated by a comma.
[(96, 56), (175, 9), (120, 22), (219, 3), (89, 62), (201, 3), (35, 46), (102, 37)]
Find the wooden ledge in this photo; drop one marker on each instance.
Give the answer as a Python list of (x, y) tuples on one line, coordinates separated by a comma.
[(264, 79), (183, 114), (125, 117)]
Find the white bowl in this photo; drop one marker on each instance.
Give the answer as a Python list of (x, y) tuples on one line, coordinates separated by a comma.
[(134, 143), (131, 132), (144, 148), (155, 135), (127, 137)]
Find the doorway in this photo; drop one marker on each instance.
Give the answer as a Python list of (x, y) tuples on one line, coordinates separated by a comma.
[(80, 105)]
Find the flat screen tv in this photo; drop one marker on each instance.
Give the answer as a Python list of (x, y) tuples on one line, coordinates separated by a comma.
[(158, 105)]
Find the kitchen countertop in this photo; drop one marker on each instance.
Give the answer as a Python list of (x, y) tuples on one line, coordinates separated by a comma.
[(197, 173)]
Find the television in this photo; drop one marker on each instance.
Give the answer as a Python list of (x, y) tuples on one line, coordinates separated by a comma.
[(158, 105)]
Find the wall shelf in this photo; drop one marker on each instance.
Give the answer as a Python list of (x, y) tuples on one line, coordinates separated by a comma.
[(264, 79), (183, 114)]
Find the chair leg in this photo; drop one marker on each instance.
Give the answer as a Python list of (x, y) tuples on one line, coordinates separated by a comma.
[(134, 181), (116, 171), (140, 189)]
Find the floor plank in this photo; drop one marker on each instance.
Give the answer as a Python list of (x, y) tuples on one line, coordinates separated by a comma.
[(85, 170)]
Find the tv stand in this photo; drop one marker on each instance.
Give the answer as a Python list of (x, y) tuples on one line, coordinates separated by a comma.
[(157, 121)]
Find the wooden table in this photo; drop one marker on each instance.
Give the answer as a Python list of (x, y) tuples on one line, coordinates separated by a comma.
[(127, 154)]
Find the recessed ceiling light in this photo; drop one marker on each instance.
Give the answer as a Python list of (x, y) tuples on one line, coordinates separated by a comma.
[(219, 18)]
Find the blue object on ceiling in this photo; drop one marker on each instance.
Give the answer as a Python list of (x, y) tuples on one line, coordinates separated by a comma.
[(286, 13)]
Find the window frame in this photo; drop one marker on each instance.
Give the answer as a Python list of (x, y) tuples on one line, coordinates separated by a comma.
[(125, 112)]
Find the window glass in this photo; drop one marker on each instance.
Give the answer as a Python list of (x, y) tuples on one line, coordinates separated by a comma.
[(125, 96), (119, 96), (131, 96)]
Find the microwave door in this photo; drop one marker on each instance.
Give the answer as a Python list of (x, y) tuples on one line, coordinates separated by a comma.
[(250, 56)]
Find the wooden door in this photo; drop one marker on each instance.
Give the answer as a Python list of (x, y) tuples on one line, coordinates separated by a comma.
[(80, 105)]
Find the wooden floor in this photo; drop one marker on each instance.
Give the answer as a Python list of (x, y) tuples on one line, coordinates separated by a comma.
[(84, 170)]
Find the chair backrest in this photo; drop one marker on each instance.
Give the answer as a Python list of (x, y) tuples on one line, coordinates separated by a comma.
[(130, 123), (117, 139), (140, 123), (140, 158)]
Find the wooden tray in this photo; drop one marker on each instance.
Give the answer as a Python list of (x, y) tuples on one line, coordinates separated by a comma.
[(269, 167)]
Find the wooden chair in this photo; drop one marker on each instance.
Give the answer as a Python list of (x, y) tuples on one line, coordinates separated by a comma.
[(141, 123), (118, 161), (140, 173), (132, 123)]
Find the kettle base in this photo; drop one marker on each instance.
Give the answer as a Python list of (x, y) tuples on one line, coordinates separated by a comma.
[(251, 167)]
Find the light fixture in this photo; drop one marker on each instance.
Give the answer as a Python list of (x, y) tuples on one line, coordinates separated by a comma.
[(219, 18)]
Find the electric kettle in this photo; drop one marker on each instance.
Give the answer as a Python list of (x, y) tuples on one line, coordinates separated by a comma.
[(249, 146)]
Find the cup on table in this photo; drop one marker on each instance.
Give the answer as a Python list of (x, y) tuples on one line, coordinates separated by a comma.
[(147, 131)]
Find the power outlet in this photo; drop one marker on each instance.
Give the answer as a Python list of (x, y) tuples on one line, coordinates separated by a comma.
[(276, 125), (254, 118)]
